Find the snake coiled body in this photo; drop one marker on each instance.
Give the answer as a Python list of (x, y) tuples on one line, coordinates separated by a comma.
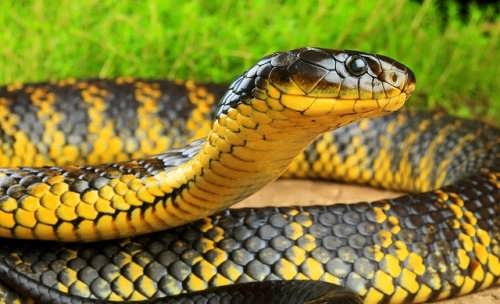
[(107, 176)]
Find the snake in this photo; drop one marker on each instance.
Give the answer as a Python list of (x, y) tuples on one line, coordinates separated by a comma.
[(117, 190)]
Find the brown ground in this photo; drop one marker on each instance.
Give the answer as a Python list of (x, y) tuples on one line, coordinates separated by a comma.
[(290, 192)]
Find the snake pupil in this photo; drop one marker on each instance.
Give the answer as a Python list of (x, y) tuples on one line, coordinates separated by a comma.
[(356, 65)]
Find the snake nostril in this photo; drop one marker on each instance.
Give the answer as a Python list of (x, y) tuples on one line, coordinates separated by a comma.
[(410, 81)]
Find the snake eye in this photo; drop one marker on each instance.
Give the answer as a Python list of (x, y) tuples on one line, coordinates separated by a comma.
[(356, 65)]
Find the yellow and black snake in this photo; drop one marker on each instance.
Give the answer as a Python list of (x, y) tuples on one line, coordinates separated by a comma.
[(96, 171)]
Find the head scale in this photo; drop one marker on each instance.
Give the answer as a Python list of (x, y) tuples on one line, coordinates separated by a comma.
[(319, 82)]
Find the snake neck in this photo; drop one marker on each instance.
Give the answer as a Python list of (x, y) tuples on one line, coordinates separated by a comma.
[(245, 150)]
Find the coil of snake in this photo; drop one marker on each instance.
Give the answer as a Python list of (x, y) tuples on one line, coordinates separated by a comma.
[(116, 216)]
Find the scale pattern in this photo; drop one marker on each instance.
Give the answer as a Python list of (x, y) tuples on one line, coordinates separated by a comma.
[(419, 247), (53, 201), (266, 117), (100, 121), (409, 151)]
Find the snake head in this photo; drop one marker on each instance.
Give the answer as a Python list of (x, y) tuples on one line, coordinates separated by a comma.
[(315, 82)]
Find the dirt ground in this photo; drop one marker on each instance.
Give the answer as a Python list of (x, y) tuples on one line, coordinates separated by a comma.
[(290, 192)]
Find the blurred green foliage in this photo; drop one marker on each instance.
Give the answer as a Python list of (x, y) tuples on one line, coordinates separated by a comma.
[(456, 62)]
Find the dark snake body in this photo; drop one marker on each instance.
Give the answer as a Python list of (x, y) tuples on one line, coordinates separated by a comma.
[(415, 248)]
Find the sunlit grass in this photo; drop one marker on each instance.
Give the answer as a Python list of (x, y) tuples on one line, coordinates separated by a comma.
[(457, 64)]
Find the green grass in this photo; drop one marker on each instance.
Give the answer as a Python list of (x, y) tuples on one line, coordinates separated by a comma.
[(457, 64)]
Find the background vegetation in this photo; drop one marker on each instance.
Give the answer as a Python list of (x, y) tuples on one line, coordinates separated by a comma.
[(456, 60)]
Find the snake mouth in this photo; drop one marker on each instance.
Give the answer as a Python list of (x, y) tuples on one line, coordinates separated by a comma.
[(322, 106)]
